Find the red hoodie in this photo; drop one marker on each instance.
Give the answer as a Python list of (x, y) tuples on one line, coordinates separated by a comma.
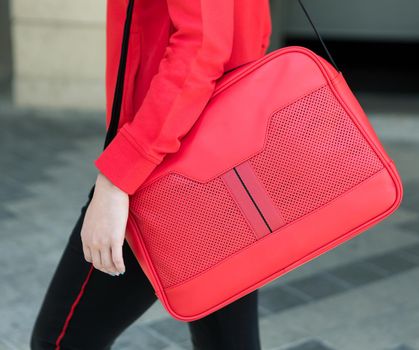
[(177, 51)]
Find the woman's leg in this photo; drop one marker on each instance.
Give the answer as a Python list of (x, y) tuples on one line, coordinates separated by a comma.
[(234, 327), (85, 308)]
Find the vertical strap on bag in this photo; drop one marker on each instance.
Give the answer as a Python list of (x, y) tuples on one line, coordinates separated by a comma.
[(119, 87)]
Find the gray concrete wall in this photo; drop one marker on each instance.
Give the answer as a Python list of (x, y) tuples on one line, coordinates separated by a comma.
[(59, 53)]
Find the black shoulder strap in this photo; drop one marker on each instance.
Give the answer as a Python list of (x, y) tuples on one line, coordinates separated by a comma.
[(119, 87), (318, 35), (117, 99)]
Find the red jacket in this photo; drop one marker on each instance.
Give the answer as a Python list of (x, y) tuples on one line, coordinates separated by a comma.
[(177, 50)]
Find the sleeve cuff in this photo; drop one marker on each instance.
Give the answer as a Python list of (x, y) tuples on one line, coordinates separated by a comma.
[(124, 165)]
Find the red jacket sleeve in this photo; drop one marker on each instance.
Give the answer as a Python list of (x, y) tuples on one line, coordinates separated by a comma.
[(193, 60)]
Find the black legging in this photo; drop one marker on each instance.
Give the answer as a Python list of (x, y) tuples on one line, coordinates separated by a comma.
[(85, 308)]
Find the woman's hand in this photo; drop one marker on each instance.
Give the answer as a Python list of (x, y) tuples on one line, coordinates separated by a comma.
[(103, 230)]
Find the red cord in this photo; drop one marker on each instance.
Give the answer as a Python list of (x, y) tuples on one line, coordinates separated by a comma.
[(67, 321)]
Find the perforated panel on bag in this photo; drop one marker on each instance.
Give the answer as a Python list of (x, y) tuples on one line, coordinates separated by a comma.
[(188, 227), (313, 154)]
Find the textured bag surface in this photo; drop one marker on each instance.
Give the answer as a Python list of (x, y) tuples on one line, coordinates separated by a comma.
[(281, 166)]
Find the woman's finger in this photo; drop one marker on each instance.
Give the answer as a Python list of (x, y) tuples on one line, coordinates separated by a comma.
[(117, 257), (87, 254), (107, 263), (96, 258)]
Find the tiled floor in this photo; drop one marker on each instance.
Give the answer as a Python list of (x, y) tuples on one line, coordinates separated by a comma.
[(363, 295)]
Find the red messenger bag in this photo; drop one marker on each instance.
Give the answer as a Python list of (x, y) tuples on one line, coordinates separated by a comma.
[(281, 166)]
